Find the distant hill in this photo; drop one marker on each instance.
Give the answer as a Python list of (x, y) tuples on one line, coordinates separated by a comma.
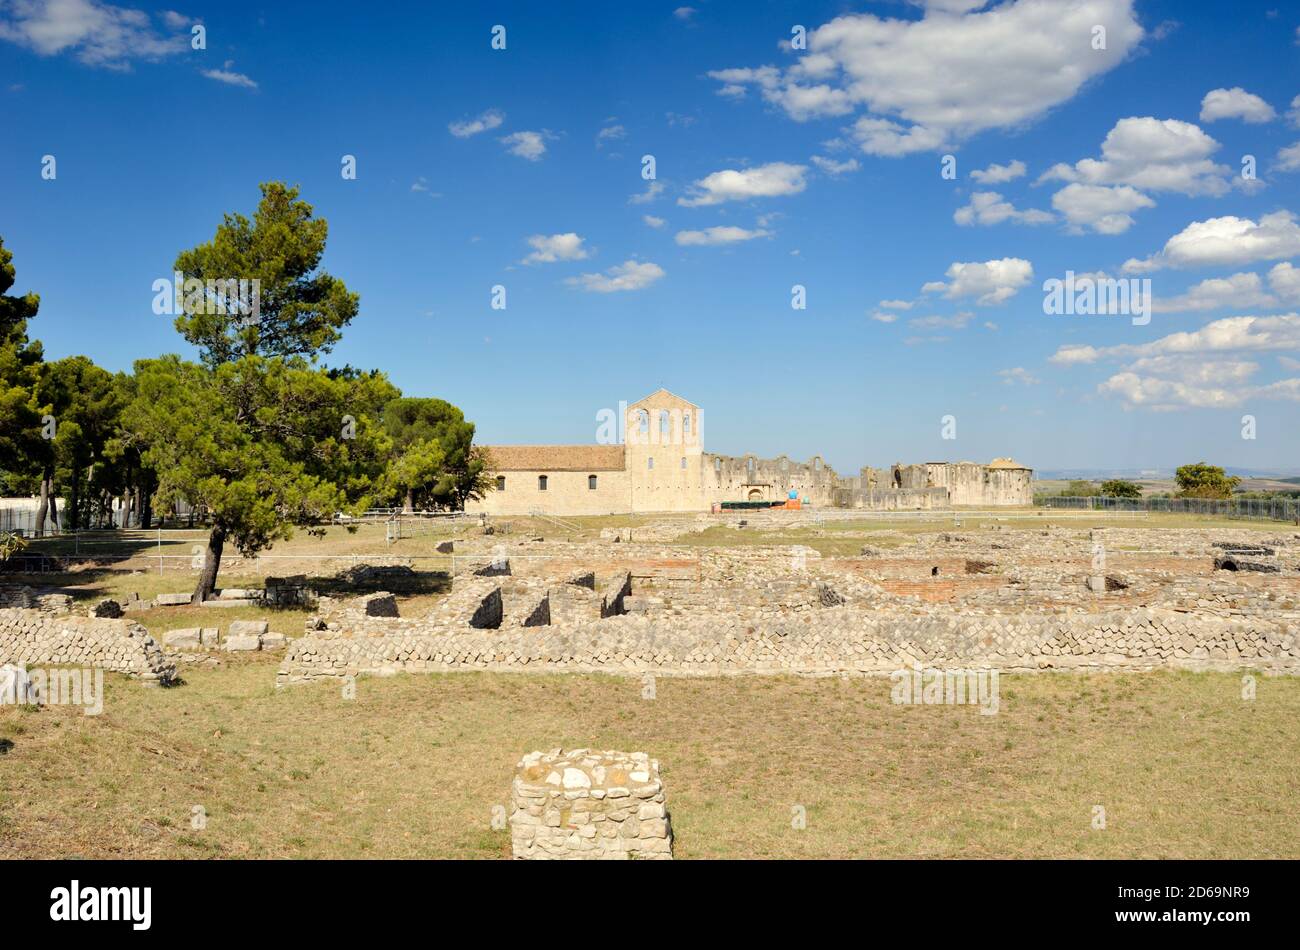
[(1160, 474)]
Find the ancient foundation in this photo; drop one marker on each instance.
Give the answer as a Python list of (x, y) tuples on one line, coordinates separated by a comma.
[(585, 805), (1028, 600), (34, 638)]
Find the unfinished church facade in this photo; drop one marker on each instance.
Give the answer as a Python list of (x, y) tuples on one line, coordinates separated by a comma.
[(661, 466)]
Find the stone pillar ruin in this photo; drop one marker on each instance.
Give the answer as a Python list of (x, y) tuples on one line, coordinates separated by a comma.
[(586, 805)]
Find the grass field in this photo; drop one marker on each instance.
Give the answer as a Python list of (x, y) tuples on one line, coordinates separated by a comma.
[(413, 766)]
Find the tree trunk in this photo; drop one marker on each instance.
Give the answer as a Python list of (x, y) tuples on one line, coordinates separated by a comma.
[(73, 517), (410, 500), (211, 564), (128, 486), (43, 508), (146, 508), (54, 505)]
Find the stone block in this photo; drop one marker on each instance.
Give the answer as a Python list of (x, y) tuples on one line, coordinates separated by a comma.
[(274, 641), (592, 806), (172, 600), (238, 593), (248, 628), (242, 642), (187, 638)]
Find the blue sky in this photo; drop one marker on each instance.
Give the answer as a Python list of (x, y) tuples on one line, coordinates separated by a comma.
[(820, 166)]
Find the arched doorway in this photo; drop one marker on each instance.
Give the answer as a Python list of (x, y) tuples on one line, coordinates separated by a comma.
[(756, 494)]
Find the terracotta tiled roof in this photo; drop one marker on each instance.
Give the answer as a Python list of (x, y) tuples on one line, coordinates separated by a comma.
[(555, 458)]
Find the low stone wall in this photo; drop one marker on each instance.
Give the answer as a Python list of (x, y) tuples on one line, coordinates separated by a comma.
[(33, 638), (26, 598), (587, 805), (835, 640)]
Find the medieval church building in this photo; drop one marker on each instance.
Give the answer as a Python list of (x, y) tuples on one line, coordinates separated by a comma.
[(661, 466)]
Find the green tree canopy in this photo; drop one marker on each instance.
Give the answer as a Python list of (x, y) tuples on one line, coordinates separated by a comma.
[(1118, 488), (435, 462), (257, 437), (301, 310), (20, 436), (86, 405), (260, 445), (1202, 480)]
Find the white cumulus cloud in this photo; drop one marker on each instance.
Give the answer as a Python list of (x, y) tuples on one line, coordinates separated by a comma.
[(1153, 155), (931, 83), (483, 123), (989, 207), (529, 145), (549, 248), (1105, 209), (630, 275), (1240, 292), (765, 181), (1226, 241), (1235, 103), (230, 78), (95, 33), (718, 235), (999, 174), (990, 282), (831, 167)]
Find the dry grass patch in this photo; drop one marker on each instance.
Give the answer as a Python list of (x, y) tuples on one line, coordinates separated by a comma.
[(413, 766)]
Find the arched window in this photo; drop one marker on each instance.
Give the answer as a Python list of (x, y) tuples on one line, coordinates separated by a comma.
[(650, 462), (541, 483), (749, 467), (643, 421), (501, 483), (591, 482), (683, 461), (665, 425), (686, 425)]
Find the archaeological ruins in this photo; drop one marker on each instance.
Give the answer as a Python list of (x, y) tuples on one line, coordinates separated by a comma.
[(661, 466), (947, 607), (1018, 599)]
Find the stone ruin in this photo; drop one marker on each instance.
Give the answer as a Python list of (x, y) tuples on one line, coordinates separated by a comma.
[(1027, 600), (586, 805), (21, 596), (34, 638), (241, 636)]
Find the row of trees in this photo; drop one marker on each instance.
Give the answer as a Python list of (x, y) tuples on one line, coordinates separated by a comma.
[(1198, 480), (256, 436)]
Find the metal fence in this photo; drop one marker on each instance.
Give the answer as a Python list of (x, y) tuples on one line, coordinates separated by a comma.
[(1264, 509)]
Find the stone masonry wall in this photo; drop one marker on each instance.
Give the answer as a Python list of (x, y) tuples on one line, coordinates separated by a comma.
[(837, 640), (33, 638), (588, 805)]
